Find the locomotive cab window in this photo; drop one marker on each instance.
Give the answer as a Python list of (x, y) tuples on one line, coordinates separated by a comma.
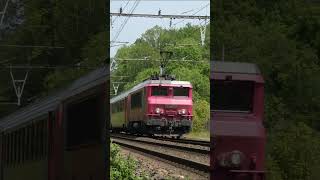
[(232, 95), (181, 91), (159, 91)]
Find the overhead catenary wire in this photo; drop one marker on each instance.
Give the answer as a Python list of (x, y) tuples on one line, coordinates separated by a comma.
[(169, 16), (45, 67), (31, 46), (4, 12), (159, 60), (192, 14), (135, 5), (122, 9)]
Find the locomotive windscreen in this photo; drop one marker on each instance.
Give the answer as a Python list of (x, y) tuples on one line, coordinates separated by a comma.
[(159, 91), (181, 91), (232, 95)]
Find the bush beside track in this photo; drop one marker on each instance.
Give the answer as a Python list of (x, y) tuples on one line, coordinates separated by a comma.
[(121, 167)]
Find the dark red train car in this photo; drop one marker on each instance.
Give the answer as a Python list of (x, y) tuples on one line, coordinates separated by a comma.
[(237, 133), (60, 137)]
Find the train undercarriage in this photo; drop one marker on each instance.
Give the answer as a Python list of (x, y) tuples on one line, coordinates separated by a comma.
[(174, 128)]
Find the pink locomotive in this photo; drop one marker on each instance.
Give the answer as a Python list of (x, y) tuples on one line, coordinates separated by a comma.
[(155, 106), (237, 133)]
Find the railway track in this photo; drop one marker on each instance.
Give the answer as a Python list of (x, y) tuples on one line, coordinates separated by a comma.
[(157, 149), (186, 141), (179, 147), (182, 141)]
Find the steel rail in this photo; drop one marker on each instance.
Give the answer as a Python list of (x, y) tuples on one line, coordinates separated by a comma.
[(189, 149), (186, 141)]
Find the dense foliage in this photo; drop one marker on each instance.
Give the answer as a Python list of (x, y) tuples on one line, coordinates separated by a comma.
[(121, 167), (76, 26), (184, 43), (283, 38)]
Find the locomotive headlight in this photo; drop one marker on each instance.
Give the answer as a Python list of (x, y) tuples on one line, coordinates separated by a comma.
[(159, 111), (182, 111)]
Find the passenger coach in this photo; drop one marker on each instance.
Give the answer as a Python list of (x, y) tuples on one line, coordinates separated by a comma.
[(162, 106), (60, 137), (237, 133)]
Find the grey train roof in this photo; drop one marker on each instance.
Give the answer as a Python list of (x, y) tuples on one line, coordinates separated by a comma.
[(138, 86), (43, 106), (88, 81), (234, 67)]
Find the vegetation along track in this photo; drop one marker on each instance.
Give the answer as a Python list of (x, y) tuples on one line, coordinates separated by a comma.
[(194, 158)]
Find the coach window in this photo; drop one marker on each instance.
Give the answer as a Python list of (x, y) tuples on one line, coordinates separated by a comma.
[(159, 91), (121, 105), (117, 107), (136, 100), (181, 91), (232, 95)]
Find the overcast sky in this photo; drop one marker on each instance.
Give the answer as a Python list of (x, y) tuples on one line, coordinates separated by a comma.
[(135, 27)]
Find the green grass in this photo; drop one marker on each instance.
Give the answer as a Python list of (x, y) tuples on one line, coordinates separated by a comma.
[(203, 135)]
